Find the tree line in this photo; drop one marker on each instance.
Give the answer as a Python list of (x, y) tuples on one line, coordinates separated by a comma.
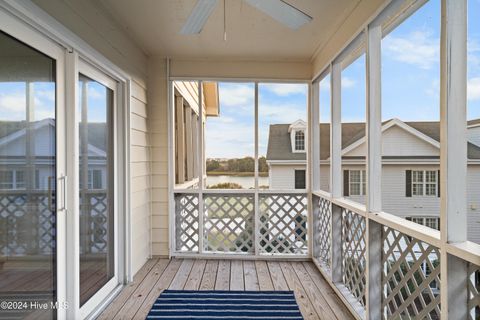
[(246, 164)]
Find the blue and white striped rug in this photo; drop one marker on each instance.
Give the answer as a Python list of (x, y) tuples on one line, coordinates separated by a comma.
[(238, 305)]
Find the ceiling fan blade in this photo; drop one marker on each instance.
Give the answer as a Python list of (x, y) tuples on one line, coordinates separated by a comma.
[(282, 12), (199, 16)]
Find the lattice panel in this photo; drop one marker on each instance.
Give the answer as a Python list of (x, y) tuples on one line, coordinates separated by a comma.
[(283, 224), (228, 223), (353, 253), (411, 277), (322, 211), (474, 292), (186, 222), (26, 223), (94, 218)]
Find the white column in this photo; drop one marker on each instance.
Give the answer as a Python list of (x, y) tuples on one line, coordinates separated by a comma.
[(201, 161), (336, 131), (188, 142), (180, 139), (374, 171), (453, 155), (336, 169), (315, 136)]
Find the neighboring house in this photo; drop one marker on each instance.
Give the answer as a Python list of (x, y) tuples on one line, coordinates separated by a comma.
[(13, 151), (411, 166)]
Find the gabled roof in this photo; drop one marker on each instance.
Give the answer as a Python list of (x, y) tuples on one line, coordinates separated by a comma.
[(11, 130), (279, 138)]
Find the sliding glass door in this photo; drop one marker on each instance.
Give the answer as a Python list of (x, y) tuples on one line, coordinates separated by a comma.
[(96, 185), (98, 268), (58, 240), (29, 175)]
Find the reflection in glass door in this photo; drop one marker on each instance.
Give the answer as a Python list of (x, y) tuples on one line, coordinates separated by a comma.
[(96, 165), (27, 177)]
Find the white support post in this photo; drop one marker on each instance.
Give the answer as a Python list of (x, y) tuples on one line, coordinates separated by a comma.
[(180, 139), (195, 144), (315, 136), (453, 156), (188, 142), (200, 159), (256, 235), (336, 131), (374, 171), (336, 169)]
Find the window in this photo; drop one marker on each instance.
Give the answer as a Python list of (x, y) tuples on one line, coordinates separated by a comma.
[(300, 179), (95, 179), (423, 182), (299, 141), (15, 179), (431, 222), (6, 179), (357, 182)]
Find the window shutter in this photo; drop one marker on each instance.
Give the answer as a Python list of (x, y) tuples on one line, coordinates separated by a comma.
[(438, 184), (408, 183), (346, 183)]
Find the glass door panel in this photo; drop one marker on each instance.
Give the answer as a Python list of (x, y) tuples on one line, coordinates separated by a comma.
[(96, 165), (27, 178)]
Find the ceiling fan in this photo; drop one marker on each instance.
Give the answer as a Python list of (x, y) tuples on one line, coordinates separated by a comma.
[(279, 10)]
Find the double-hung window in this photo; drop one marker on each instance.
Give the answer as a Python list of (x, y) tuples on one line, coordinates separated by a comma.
[(423, 182), (299, 141), (357, 182)]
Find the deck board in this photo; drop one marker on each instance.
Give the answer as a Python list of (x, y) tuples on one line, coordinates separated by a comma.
[(314, 296)]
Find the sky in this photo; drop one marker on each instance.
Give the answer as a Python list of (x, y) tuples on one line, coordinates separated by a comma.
[(410, 87)]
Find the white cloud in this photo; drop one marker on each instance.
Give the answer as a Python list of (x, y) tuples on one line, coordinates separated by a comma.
[(12, 106), (285, 89), (274, 113), (419, 48), (348, 83), (236, 95), (473, 89), (228, 140)]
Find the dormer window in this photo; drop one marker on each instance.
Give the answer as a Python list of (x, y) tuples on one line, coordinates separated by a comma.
[(299, 140), (297, 136)]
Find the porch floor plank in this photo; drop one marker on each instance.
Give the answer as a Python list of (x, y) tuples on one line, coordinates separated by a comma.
[(314, 296), (251, 278), (209, 275), (306, 306), (136, 299), (264, 279), (237, 281), (223, 275), (195, 277), (113, 308)]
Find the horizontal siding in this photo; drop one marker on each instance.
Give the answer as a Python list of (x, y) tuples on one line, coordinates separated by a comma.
[(140, 177), (158, 125)]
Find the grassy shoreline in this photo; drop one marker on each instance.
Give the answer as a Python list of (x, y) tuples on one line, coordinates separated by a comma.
[(235, 174)]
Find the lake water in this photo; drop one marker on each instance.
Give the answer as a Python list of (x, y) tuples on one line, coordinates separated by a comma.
[(246, 182)]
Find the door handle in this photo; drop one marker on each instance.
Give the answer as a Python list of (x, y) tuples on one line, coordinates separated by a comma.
[(63, 188)]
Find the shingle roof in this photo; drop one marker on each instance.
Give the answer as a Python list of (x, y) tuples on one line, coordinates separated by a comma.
[(96, 132), (279, 147)]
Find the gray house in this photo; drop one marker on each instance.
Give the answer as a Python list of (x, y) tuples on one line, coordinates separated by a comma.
[(411, 166)]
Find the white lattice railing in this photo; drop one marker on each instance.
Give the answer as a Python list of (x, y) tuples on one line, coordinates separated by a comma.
[(409, 276), (268, 223)]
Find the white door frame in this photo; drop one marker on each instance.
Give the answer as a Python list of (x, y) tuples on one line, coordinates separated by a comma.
[(79, 66), (22, 32), (28, 23)]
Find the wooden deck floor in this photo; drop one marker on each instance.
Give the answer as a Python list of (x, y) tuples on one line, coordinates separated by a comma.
[(314, 296)]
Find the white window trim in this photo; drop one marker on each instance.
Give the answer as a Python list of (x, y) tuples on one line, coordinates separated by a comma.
[(294, 145), (362, 183), (424, 183)]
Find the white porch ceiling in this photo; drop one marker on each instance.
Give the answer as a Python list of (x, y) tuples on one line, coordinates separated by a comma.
[(251, 35)]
